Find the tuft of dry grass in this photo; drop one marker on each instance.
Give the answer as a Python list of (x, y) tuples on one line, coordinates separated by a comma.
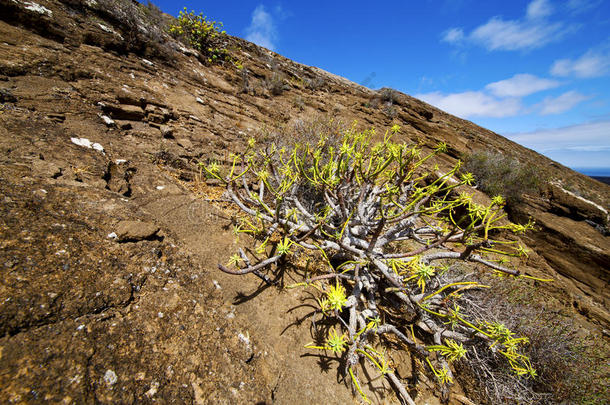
[(571, 361), (497, 174)]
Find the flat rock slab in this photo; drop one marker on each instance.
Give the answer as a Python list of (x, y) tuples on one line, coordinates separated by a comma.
[(134, 231), (124, 112)]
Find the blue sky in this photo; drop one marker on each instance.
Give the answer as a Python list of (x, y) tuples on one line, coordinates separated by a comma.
[(537, 71)]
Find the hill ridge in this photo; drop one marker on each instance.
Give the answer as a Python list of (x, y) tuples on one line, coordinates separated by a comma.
[(144, 314)]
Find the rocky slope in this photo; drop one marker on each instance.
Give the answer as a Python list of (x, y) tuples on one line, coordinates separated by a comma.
[(109, 288)]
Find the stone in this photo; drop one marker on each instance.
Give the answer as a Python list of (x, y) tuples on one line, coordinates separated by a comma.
[(575, 206), (57, 117), (46, 169), (108, 121), (117, 179), (167, 132), (125, 125), (213, 182), (124, 112), (157, 114), (87, 144), (6, 96), (110, 377), (156, 118), (185, 143), (134, 231), (125, 96), (41, 194)]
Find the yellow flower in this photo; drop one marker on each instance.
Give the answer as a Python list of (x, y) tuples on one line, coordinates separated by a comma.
[(336, 297)]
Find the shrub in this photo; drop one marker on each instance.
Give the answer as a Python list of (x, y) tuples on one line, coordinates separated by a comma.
[(386, 98), (388, 232), (143, 27), (567, 359), (307, 130), (202, 34), (276, 84), (388, 95), (315, 84), (497, 174)]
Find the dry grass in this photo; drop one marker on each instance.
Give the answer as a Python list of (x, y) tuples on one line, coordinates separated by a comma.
[(571, 361), (497, 174)]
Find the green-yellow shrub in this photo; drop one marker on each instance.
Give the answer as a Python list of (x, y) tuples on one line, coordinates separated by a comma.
[(398, 237), (205, 35)]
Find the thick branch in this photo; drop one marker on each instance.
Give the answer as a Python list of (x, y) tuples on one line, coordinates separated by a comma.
[(250, 269)]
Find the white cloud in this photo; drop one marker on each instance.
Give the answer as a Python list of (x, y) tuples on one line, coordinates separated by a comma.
[(539, 9), (532, 31), (591, 137), (498, 34), (473, 103), (453, 35), (581, 6), (504, 98), (520, 85), (561, 103), (262, 30), (591, 64)]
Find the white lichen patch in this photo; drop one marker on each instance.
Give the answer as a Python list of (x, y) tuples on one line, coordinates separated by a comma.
[(245, 339), (37, 8), (110, 30), (568, 192), (110, 377), (87, 144), (106, 28), (107, 120), (154, 387)]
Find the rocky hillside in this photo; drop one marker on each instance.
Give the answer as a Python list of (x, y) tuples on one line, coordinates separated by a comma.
[(110, 291)]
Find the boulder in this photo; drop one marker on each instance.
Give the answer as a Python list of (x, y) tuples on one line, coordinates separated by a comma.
[(135, 231), (572, 205), (124, 112)]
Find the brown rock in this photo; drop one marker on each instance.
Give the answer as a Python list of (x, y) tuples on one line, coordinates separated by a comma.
[(185, 143), (117, 179), (125, 96), (134, 231), (6, 96), (156, 118), (124, 124), (57, 117), (576, 206), (124, 112), (46, 169), (167, 132)]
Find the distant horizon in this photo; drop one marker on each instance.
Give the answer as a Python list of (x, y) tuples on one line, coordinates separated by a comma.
[(593, 171)]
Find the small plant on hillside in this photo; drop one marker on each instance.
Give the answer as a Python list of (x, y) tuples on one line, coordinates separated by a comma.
[(205, 35), (497, 174), (566, 356), (389, 231), (143, 27), (276, 84), (315, 83)]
